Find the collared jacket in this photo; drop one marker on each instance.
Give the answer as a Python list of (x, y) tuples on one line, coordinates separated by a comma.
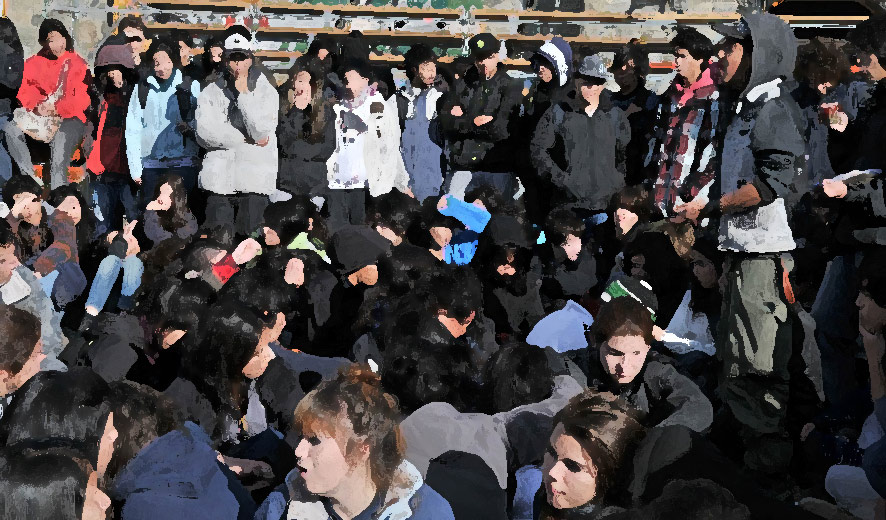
[(483, 148), (407, 497), (41, 78), (683, 150), (586, 176), (229, 124), (663, 396), (152, 132)]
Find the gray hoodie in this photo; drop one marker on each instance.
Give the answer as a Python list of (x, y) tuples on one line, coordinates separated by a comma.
[(763, 143)]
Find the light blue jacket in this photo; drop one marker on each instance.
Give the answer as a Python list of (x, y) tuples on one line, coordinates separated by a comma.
[(151, 133)]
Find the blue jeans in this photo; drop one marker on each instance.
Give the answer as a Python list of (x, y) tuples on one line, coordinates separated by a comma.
[(110, 195), (107, 273)]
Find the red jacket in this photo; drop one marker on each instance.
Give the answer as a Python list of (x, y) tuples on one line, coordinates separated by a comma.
[(41, 78)]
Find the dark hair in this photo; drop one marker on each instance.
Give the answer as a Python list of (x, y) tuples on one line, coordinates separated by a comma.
[(19, 334), (632, 51), (60, 193), (19, 184), (621, 316), (7, 237), (417, 55), (59, 407), (319, 104), (290, 218), (131, 21), (360, 66), (164, 45), (872, 276), (634, 199), (605, 428), (141, 414), (696, 44), (516, 375), (181, 35), (393, 210), (49, 25), (357, 395), (176, 216), (699, 499), (228, 340), (867, 36), (42, 485), (819, 62), (456, 291), (560, 223)]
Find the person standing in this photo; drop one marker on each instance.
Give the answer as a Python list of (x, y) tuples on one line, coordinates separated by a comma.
[(53, 92), (367, 158), (477, 119), (160, 123), (236, 123), (763, 142), (12, 64), (418, 104), (683, 152)]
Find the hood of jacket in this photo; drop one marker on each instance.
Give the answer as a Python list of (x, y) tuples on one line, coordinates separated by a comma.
[(559, 54), (396, 506), (775, 50)]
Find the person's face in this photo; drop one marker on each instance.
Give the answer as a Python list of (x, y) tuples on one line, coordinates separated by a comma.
[(688, 67), (591, 92), (368, 275), (507, 269), (572, 246), (215, 54), (137, 45), (116, 78), (488, 66), (271, 237), (568, 473), (322, 54), (295, 272), (441, 235), (56, 43), (871, 316), (626, 76), (172, 336), (356, 83), (427, 73), (28, 208), (163, 65), (455, 327), (545, 74), (71, 206), (8, 262), (704, 270), (302, 84), (732, 58), (240, 68), (321, 460), (625, 219), (184, 53), (623, 357)]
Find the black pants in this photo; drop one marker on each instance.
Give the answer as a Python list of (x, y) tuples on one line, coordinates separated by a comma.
[(242, 213), (346, 207)]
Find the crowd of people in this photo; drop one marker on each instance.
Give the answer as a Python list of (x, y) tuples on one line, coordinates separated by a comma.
[(458, 295)]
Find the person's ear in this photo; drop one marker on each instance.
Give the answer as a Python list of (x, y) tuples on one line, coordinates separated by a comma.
[(593, 470)]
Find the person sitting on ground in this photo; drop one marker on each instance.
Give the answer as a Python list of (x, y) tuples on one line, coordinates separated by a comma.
[(620, 362), (350, 458), (592, 438)]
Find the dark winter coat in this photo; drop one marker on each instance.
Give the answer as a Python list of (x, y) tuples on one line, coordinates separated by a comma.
[(304, 151), (582, 156), (642, 124), (662, 395), (12, 65), (481, 148)]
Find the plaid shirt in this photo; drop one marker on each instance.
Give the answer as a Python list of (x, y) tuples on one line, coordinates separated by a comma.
[(684, 145)]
